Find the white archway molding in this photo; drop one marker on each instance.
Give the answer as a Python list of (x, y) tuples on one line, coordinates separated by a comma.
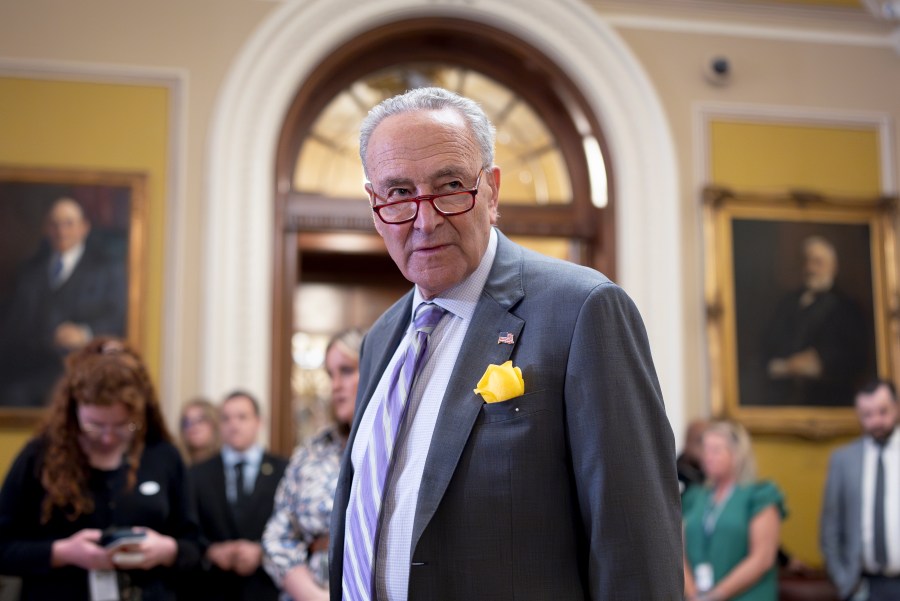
[(280, 56)]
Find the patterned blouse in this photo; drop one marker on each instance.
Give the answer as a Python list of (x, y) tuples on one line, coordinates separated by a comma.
[(302, 510)]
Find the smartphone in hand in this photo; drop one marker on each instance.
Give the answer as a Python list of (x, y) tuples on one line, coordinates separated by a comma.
[(121, 540)]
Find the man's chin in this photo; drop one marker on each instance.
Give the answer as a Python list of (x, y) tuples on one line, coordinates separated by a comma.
[(819, 286), (435, 277)]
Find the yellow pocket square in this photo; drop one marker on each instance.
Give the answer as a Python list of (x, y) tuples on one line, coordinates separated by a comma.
[(501, 383)]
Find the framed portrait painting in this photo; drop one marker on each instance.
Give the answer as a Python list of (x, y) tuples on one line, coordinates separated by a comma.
[(71, 268), (801, 297)]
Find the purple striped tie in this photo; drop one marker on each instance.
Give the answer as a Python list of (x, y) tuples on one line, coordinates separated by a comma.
[(362, 514)]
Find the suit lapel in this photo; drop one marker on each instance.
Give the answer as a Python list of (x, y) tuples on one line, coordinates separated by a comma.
[(260, 488), (461, 406), (77, 273), (396, 320), (854, 502)]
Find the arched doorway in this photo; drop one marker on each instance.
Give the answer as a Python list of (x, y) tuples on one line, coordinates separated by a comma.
[(328, 257), (246, 128)]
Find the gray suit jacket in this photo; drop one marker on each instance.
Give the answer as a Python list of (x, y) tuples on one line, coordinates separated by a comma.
[(567, 492), (840, 528)]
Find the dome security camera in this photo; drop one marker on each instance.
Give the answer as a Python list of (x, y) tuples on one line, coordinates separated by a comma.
[(717, 70)]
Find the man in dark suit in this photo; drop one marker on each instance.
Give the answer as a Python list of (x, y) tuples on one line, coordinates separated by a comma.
[(860, 546), (70, 292), (561, 487), (235, 492), (816, 344)]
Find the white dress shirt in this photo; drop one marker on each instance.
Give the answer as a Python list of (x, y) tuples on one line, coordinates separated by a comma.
[(891, 460), (414, 439)]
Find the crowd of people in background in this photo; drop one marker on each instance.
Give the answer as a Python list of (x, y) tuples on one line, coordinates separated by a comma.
[(103, 505), (225, 520), (731, 519), (102, 468)]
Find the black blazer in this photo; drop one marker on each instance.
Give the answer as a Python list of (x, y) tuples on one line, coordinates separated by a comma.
[(218, 524)]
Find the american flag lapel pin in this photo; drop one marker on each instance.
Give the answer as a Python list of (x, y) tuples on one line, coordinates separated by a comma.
[(505, 338)]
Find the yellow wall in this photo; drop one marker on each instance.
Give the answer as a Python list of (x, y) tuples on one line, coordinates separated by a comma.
[(831, 160), (834, 160), (91, 126)]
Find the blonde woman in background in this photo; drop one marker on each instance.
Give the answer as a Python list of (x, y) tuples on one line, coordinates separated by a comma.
[(731, 524), (198, 430), (295, 542)]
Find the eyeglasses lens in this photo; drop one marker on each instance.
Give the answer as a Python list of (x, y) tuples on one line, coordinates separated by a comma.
[(119, 431), (452, 204)]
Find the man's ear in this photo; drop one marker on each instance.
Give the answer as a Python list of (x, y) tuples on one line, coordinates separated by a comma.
[(370, 192), (494, 182)]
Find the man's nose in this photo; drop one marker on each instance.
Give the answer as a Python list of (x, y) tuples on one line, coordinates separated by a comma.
[(428, 217)]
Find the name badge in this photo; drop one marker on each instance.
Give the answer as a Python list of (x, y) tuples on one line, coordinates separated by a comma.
[(703, 577), (104, 585)]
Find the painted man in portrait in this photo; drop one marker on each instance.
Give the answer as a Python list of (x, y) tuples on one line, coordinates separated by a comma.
[(816, 345), (68, 293)]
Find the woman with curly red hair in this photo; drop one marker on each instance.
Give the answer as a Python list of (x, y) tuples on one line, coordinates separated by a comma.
[(103, 459)]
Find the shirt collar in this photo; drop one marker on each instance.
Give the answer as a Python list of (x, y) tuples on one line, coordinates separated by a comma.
[(462, 298), (71, 256), (231, 457)]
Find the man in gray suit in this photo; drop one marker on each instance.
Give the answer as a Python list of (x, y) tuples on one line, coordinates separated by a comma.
[(564, 488), (860, 521)]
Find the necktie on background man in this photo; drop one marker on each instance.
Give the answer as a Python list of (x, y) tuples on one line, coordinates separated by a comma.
[(56, 269), (878, 525), (365, 505), (240, 494)]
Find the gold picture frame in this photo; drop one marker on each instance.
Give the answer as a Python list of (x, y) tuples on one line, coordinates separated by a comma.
[(786, 349), (115, 205)]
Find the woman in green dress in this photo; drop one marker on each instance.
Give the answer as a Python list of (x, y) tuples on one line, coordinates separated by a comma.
[(731, 524)]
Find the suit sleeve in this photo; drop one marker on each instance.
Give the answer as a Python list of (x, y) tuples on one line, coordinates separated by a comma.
[(830, 525), (182, 523), (623, 454), (23, 550)]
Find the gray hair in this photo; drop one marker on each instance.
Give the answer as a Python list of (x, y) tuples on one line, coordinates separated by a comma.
[(431, 99)]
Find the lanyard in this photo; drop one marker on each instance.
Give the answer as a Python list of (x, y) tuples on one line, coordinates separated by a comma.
[(711, 517)]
